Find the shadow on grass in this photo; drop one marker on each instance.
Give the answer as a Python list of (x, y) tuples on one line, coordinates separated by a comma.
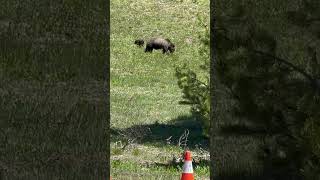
[(160, 134)]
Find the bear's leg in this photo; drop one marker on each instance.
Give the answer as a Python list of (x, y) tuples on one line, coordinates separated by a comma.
[(164, 50), (148, 49)]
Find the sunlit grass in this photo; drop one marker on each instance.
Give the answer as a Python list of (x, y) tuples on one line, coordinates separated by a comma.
[(144, 88)]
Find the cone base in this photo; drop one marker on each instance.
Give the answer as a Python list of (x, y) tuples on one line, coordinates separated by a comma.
[(187, 176)]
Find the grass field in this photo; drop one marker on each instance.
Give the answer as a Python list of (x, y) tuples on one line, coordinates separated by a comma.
[(144, 91)]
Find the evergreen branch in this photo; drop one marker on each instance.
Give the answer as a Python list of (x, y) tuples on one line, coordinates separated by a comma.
[(201, 82), (294, 67), (315, 83)]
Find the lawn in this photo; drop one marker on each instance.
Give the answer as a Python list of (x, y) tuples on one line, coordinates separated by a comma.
[(146, 117)]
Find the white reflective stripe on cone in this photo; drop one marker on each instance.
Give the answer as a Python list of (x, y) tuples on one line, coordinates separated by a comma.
[(187, 167)]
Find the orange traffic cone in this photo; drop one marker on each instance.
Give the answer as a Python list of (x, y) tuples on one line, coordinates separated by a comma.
[(187, 173)]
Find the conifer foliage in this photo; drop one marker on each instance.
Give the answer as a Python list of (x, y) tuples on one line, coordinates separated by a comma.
[(267, 58), (195, 90)]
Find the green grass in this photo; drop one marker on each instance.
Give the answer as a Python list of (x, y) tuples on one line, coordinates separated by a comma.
[(144, 90), (126, 170)]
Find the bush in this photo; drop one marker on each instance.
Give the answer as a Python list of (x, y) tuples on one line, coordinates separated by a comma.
[(195, 91)]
